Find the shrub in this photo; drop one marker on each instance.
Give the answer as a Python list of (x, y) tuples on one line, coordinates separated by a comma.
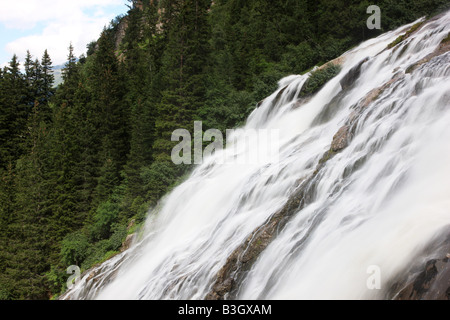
[(319, 78), (56, 280), (74, 248), (118, 236), (106, 214), (157, 178), (298, 58), (96, 253)]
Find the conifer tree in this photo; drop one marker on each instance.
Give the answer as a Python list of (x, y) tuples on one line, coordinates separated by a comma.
[(142, 55), (14, 111), (30, 244), (183, 70), (70, 66), (48, 77), (111, 116)]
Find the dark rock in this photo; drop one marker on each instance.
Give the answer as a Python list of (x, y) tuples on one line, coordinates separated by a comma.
[(128, 242), (330, 109), (300, 102), (242, 259), (279, 95), (443, 47), (273, 103), (427, 281), (433, 283), (374, 94), (341, 139), (350, 78)]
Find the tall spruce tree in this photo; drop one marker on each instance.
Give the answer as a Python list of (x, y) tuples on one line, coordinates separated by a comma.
[(48, 78), (112, 113), (183, 70), (30, 243), (14, 111)]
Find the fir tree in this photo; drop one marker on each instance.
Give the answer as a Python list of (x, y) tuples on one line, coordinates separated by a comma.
[(111, 116), (14, 111), (183, 70), (48, 77)]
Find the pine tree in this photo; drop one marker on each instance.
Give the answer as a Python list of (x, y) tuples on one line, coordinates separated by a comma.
[(14, 111), (183, 70), (111, 118), (71, 65), (7, 200), (48, 77), (71, 147), (30, 244), (39, 80), (142, 62)]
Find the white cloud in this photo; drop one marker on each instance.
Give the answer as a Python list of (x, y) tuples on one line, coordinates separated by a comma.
[(25, 14), (63, 21)]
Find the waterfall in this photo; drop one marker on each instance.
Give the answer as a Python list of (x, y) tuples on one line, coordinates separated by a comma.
[(377, 201)]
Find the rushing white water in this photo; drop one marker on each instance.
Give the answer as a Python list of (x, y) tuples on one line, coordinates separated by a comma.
[(375, 203)]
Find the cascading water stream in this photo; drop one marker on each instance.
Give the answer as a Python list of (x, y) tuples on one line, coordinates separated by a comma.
[(377, 202)]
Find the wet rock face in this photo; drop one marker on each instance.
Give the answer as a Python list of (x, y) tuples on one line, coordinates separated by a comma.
[(128, 242), (433, 283), (350, 78), (428, 281), (341, 139), (443, 48), (242, 259)]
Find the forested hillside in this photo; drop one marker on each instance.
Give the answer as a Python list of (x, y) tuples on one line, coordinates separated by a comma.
[(79, 162)]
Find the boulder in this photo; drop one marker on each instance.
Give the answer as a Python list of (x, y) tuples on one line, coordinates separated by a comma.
[(128, 242), (350, 78), (429, 280), (341, 139), (131, 224), (443, 48)]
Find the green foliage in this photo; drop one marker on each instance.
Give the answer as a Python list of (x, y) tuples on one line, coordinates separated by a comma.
[(319, 78), (298, 58), (56, 280), (157, 178), (95, 254), (5, 288), (402, 37), (106, 214), (102, 250), (119, 233), (74, 248), (15, 107)]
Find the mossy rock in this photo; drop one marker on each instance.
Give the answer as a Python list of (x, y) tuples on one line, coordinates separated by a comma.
[(319, 78), (446, 39), (405, 36)]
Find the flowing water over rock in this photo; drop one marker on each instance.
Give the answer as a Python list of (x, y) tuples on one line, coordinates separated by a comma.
[(362, 180)]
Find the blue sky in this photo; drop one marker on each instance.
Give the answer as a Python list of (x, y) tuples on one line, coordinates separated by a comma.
[(37, 25)]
